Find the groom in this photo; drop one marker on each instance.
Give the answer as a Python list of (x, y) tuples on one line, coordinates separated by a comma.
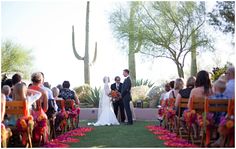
[(126, 96), (117, 86)]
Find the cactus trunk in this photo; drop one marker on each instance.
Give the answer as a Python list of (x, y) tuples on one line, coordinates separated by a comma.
[(86, 56)]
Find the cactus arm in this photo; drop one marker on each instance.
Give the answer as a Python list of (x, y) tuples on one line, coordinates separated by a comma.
[(73, 45), (95, 54)]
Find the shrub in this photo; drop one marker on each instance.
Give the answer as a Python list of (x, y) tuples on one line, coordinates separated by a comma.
[(143, 82), (94, 97), (83, 92), (139, 93)]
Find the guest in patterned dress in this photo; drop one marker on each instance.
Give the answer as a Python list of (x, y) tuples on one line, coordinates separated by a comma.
[(66, 93)]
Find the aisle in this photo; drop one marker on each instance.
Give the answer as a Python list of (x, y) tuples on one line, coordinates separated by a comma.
[(119, 136)]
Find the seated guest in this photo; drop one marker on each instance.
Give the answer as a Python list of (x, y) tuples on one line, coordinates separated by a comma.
[(179, 84), (218, 90), (66, 93), (202, 87), (6, 90), (16, 78), (172, 85), (37, 80), (230, 86), (185, 93), (164, 95), (3, 106), (20, 93)]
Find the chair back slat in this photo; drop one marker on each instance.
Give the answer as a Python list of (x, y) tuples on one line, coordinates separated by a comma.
[(16, 107), (183, 103), (60, 103), (197, 104), (69, 104), (216, 105)]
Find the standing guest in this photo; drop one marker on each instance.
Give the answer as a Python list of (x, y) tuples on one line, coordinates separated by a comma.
[(185, 93), (37, 80), (6, 90), (66, 93), (126, 96), (230, 86), (179, 84), (118, 103), (202, 88)]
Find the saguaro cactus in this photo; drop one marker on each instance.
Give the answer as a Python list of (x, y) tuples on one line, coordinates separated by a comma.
[(86, 53)]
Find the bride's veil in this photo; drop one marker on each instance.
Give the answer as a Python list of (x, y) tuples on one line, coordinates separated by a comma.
[(102, 95)]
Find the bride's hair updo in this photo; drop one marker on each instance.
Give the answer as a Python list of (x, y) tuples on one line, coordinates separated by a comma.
[(106, 79)]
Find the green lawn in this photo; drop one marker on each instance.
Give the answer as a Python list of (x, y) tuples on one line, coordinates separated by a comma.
[(119, 136)]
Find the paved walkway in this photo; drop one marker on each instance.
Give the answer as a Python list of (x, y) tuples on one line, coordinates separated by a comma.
[(144, 114)]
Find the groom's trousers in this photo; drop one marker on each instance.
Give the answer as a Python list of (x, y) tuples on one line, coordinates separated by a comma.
[(119, 105), (126, 101)]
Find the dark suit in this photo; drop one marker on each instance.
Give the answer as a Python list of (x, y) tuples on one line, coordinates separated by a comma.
[(118, 104), (126, 95)]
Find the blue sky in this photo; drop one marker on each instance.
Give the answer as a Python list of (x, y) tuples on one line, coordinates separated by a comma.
[(45, 27)]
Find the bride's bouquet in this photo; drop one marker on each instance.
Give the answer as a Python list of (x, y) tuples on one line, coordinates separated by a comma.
[(115, 95)]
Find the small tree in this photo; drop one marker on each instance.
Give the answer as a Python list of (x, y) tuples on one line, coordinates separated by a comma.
[(222, 16), (172, 30), (15, 58)]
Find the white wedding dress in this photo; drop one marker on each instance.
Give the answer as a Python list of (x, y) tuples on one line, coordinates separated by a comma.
[(106, 115)]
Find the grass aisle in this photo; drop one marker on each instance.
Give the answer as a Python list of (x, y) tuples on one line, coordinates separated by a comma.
[(119, 136)]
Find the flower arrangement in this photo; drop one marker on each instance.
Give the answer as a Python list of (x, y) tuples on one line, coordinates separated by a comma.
[(160, 113), (170, 113), (40, 125), (226, 126), (209, 119), (190, 116), (5, 134), (115, 95), (25, 125)]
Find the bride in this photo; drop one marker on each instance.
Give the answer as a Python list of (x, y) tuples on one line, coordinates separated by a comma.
[(106, 115)]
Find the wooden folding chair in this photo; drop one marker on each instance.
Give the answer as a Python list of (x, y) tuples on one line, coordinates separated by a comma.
[(229, 140), (196, 104), (169, 124), (61, 106), (212, 106), (19, 108), (183, 104)]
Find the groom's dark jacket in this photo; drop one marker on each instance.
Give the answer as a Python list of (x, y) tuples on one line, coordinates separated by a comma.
[(113, 87), (126, 87)]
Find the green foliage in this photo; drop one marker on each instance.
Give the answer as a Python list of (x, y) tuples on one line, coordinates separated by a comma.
[(223, 16), (83, 92), (15, 58), (144, 83), (218, 71), (94, 97), (168, 29)]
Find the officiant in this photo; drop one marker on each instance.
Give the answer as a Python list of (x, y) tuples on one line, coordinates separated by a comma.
[(117, 102)]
